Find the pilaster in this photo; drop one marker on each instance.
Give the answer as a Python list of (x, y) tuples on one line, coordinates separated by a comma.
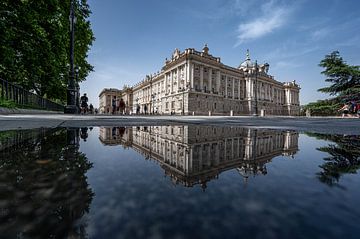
[(202, 78)]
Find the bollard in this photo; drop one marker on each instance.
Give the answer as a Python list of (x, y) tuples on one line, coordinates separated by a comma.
[(231, 113)]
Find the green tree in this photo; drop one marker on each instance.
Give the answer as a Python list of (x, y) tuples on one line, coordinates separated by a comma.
[(344, 85), (344, 78), (34, 44)]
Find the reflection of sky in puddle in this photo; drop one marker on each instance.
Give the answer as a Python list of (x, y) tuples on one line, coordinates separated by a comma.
[(192, 181)]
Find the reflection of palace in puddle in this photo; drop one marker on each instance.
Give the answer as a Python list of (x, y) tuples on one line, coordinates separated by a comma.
[(196, 154)]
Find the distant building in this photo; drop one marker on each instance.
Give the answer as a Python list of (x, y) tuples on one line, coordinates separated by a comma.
[(105, 99), (197, 83), (127, 96)]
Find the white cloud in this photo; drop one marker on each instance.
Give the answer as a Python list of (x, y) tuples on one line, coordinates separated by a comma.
[(320, 34), (290, 50), (271, 17), (286, 64)]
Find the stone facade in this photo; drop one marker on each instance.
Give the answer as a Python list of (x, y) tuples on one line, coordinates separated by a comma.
[(193, 82), (105, 99), (197, 83), (196, 154)]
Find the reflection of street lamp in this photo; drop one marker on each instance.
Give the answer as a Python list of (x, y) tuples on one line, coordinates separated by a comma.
[(71, 107)]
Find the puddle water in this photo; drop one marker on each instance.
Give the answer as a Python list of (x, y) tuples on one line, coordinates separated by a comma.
[(178, 182)]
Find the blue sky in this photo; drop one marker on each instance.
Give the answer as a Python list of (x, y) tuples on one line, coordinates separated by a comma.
[(133, 37)]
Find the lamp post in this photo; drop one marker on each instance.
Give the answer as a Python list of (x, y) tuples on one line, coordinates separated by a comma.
[(77, 88), (71, 107), (256, 96)]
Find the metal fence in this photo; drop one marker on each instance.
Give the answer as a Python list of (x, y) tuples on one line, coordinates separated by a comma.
[(24, 98)]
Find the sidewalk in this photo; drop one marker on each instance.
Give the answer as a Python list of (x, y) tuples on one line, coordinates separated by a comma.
[(324, 125)]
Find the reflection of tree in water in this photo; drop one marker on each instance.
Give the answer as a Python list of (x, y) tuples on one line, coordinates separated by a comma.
[(44, 192), (344, 157)]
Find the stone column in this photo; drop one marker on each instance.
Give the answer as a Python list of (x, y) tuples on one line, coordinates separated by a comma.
[(187, 73), (202, 78), (218, 78), (233, 87), (226, 86), (191, 75), (239, 90), (210, 79), (171, 81), (248, 89), (177, 79)]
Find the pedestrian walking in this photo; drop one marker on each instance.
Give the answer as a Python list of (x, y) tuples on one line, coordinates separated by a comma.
[(145, 109), (345, 110), (113, 105), (138, 109), (84, 105)]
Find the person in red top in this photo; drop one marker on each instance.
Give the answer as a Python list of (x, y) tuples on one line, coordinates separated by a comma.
[(358, 109)]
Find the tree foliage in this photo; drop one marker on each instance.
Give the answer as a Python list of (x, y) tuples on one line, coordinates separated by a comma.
[(344, 85), (324, 107), (35, 42), (345, 78)]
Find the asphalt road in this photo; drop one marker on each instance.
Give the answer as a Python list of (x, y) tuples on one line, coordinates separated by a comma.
[(313, 124)]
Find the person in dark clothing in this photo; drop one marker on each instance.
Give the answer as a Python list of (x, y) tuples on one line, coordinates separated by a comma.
[(114, 105), (91, 107), (138, 109), (145, 109), (84, 106), (84, 133)]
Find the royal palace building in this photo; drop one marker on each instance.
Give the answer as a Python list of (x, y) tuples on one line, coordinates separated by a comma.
[(197, 83)]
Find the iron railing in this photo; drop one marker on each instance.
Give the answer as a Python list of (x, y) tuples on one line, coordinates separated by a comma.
[(22, 97)]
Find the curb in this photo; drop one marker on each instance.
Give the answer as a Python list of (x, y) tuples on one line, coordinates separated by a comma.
[(7, 111)]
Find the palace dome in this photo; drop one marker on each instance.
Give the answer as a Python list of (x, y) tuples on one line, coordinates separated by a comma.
[(247, 63)]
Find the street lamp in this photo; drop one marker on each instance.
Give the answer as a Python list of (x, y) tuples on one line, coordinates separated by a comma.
[(77, 88), (71, 107)]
